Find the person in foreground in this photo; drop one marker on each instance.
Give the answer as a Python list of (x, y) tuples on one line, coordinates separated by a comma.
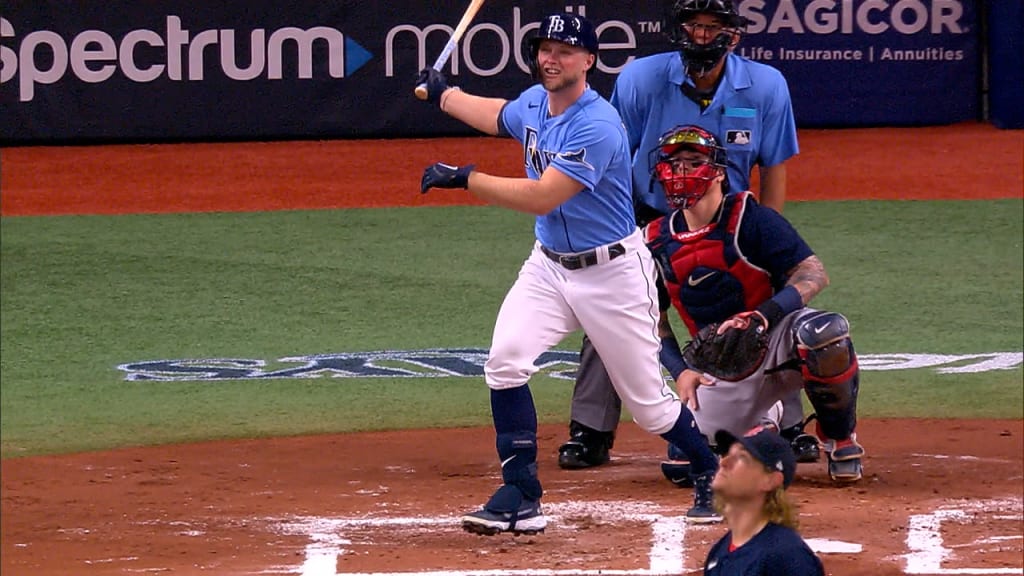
[(741, 277), (589, 267), (750, 491)]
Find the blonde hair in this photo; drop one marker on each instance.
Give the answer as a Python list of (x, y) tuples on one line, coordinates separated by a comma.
[(778, 508)]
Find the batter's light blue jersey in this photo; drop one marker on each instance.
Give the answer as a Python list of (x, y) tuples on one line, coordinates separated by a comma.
[(751, 114), (588, 143)]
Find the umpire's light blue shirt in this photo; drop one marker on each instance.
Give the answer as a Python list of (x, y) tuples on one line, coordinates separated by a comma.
[(587, 142), (751, 114)]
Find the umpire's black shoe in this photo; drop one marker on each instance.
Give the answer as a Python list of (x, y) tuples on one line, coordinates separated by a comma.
[(586, 447)]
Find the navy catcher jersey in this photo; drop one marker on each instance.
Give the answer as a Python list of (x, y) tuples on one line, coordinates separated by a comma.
[(588, 143), (705, 286), (751, 114), (774, 551)]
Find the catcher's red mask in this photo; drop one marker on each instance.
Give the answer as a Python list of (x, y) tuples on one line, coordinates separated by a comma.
[(685, 189), (689, 158)]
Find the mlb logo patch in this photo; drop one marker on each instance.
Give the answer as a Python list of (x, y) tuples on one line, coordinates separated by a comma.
[(739, 137)]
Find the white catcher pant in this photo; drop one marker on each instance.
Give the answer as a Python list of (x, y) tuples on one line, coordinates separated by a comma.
[(615, 302), (739, 406)]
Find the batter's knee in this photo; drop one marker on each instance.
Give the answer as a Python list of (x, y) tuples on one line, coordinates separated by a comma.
[(658, 418), (508, 367)]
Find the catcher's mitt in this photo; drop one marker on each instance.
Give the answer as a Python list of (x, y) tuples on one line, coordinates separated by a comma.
[(732, 355)]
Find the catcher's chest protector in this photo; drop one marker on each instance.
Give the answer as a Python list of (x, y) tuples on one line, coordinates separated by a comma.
[(707, 276)]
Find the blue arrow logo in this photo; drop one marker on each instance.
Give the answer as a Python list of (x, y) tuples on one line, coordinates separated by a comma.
[(355, 56)]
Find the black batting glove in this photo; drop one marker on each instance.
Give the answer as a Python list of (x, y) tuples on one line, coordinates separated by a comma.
[(442, 175), (435, 82)]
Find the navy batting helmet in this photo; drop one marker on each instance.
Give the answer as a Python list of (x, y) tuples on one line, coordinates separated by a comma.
[(703, 57), (567, 29)]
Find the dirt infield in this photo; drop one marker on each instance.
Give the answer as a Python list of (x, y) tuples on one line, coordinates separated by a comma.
[(387, 502), (939, 497), (943, 162)]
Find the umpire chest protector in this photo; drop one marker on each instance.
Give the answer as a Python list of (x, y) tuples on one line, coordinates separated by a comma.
[(707, 276)]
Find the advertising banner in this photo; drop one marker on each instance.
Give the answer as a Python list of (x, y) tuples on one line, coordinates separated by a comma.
[(164, 70)]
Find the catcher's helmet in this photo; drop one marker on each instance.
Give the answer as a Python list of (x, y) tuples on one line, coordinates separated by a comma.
[(567, 29), (686, 181), (702, 57)]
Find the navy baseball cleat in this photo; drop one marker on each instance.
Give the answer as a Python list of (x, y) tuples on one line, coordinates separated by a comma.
[(528, 520), (805, 446), (703, 510), (844, 459)]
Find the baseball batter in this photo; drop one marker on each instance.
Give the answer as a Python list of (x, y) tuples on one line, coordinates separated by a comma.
[(724, 258), (589, 267), (701, 82)]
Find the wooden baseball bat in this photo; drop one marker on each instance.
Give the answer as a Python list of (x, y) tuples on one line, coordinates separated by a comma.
[(460, 29)]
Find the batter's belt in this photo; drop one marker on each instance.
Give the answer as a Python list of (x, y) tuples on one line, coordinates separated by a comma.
[(584, 259)]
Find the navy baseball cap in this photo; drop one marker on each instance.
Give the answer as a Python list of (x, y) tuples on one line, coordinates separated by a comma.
[(765, 445)]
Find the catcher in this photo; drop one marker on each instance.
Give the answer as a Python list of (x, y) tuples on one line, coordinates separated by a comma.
[(741, 277)]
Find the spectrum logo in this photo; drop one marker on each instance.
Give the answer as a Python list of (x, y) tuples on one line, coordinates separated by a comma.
[(93, 56)]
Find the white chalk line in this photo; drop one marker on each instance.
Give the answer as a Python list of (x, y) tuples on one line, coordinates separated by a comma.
[(667, 551), (924, 536)]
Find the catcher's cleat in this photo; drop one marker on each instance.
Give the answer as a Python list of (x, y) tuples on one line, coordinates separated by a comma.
[(844, 459), (528, 520), (677, 468), (703, 510), (805, 446), (677, 472), (586, 447)]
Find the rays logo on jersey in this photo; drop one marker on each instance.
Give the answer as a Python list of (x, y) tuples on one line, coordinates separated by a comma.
[(538, 160)]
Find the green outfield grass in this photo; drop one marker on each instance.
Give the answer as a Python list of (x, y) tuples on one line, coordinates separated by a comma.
[(81, 295)]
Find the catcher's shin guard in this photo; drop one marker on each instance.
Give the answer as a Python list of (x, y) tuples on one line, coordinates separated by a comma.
[(830, 371), (831, 380)]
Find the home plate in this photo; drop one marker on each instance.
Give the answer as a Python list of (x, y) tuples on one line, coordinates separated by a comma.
[(826, 546)]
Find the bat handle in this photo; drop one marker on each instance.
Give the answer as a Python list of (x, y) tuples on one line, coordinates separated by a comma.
[(421, 89)]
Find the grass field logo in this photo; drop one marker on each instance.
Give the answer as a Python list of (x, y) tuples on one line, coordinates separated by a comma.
[(469, 363)]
